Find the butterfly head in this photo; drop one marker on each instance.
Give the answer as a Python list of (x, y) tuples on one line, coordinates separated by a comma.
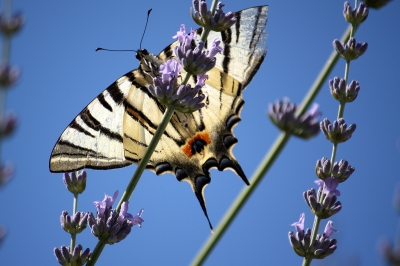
[(149, 63)]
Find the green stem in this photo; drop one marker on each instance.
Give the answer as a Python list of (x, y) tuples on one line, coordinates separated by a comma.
[(307, 260), (276, 148), (206, 30), (74, 208), (136, 176)]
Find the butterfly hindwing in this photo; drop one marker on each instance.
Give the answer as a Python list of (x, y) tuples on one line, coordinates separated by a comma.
[(115, 129)]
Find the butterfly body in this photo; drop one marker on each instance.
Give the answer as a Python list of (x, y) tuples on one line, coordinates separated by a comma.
[(115, 129)]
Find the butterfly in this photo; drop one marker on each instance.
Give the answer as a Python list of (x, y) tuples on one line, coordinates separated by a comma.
[(114, 130)]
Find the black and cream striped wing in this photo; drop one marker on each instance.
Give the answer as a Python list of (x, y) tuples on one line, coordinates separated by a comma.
[(94, 138), (115, 129)]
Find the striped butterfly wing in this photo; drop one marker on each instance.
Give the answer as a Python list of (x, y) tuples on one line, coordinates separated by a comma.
[(115, 129)]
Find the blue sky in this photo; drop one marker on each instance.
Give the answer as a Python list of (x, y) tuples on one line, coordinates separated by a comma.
[(61, 74)]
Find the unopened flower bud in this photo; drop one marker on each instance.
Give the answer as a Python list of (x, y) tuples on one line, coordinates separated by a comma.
[(338, 131)]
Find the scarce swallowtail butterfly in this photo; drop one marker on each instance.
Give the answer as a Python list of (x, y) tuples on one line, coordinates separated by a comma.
[(115, 129)]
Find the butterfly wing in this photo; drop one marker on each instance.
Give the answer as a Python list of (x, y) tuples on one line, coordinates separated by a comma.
[(94, 138)]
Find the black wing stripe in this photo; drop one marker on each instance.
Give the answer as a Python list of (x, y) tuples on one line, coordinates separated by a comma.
[(104, 103), (252, 74), (89, 120), (110, 134), (254, 41), (75, 147), (78, 128), (226, 38), (238, 16), (116, 94), (135, 141), (93, 123), (141, 118)]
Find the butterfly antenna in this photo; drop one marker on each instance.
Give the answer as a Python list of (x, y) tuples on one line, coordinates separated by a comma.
[(104, 49), (145, 27)]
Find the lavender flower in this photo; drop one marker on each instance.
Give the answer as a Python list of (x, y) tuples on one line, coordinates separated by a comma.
[(217, 22), (110, 226), (301, 241), (300, 224), (75, 184), (338, 131), (355, 17), (390, 253), (3, 233), (76, 258), (351, 50), (344, 93), (74, 225), (137, 219), (6, 172), (283, 115), (8, 75), (195, 61), (10, 26), (184, 98), (331, 185), (329, 229), (325, 209)]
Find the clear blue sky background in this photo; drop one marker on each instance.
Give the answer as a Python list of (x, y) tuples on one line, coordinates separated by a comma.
[(61, 74)]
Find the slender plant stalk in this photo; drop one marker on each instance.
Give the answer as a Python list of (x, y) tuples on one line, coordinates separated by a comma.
[(138, 173), (307, 260), (268, 160), (74, 209)]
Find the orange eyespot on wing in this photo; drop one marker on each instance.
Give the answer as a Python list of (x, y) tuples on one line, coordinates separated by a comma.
[(202, 137)]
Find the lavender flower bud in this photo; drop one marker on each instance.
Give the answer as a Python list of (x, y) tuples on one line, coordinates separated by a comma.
[(75, 184), (296, 245), (391, 254), (322, 247), (217, 22), (344, 93), (307, 238), (3, 233), (6, 172), (323, 168), (76, 258), (351, 50), (338, 131), (74, 225), (355, 17), (10, 26), (8, 124), (283, 115), (342, 170), (8, 75)]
